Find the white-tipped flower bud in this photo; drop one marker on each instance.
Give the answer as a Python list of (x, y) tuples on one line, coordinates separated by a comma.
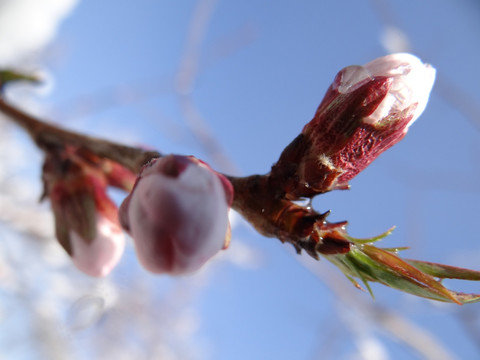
[(366, 110)]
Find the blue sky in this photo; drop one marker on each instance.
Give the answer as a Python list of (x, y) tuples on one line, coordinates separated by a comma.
[(262, 71)]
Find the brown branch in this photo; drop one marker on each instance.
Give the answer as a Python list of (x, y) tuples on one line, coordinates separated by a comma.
[(272, 215), (266, 202), (50, 136)]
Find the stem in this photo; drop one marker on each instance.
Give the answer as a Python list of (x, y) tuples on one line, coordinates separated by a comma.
[(47, 136), (273, 215)]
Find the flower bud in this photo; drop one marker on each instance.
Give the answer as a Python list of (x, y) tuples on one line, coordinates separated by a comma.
[(177, 214), (86, 220), (366, 110)]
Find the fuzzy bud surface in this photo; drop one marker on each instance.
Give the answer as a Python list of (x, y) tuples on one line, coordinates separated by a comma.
[(177, 214), (366, 110)]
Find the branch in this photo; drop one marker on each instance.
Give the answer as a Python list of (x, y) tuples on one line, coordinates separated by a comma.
[(48, 136), (338, 143)]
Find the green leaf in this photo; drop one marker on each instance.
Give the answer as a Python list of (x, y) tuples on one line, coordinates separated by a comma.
[(372, 239), (8, 76), (369, 263), (445, 271)]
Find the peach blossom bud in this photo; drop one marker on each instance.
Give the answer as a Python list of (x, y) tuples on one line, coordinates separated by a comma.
[(99, 256), (411, 83), (86, 220), (366, 110), (177, 214)]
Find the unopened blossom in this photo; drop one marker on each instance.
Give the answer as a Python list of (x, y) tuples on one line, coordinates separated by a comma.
[(86, 220), (365, 111), (177, 214)]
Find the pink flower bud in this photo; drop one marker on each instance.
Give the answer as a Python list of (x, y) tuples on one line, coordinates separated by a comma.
[(177, 214), (86, 220), (99, 256), (365, 111)]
